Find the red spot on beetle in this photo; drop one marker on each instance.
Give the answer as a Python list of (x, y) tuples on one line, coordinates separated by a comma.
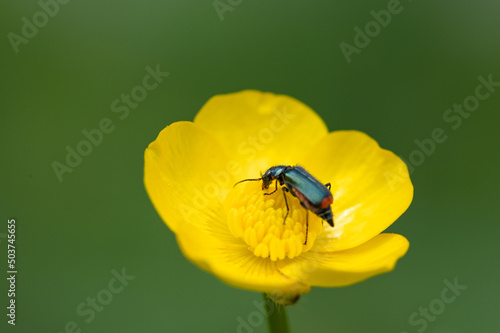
[(326, 202), (299, 195)]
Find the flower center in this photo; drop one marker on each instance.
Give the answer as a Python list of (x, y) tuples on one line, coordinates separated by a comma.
[(258, 220)]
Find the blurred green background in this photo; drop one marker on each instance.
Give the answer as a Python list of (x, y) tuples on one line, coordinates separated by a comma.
[(72, 234)]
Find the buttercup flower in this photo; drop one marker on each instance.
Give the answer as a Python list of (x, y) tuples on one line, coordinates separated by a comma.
[(237, 233)]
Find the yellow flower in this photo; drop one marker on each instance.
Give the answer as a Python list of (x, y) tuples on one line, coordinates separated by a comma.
[(237, 233)]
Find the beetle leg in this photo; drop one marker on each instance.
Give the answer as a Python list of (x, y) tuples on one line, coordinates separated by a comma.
[(307, 225), (286, 203), (275, 189), (328, 186)]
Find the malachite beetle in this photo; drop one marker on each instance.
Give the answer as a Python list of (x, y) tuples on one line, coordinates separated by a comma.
[(312, 194)]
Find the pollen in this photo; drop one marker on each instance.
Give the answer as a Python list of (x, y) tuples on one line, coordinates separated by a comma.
[(258, 219)]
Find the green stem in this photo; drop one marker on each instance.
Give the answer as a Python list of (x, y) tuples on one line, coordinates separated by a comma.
[(277, 318)]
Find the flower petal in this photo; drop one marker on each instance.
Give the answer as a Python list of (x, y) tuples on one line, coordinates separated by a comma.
[(371, 188), (185, 176), (260, 130), (337, 269), (230, 260)]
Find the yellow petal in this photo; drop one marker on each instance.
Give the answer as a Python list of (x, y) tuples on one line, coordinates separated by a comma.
[(371, 188), (337, 269), (230, 260), (260, 130), (186, 177)]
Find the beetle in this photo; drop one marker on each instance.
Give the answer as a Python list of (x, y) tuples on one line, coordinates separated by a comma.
[(312, 194)]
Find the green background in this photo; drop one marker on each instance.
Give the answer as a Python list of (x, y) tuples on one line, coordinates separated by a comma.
[(72, 234)]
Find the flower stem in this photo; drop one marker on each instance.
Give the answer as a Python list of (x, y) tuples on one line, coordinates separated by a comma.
[(277, 318)]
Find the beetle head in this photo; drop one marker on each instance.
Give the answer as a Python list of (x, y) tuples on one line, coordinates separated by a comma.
[(267, 179)]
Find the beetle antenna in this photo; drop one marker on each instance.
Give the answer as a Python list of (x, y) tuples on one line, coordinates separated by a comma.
[(248, 180)]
